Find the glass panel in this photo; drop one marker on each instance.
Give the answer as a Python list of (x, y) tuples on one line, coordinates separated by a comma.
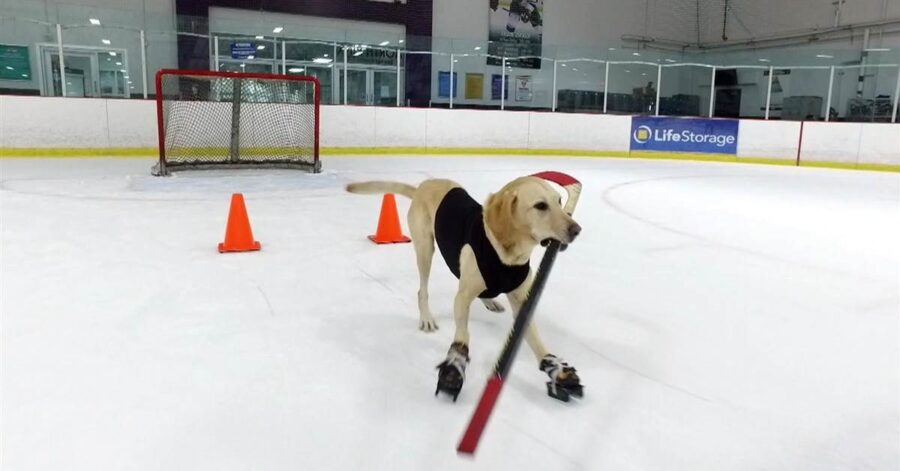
[(580, 86), (684, 90), (799, 94), (321, 73), (79, 77), (632, 88), (863, 94), (246, 66)]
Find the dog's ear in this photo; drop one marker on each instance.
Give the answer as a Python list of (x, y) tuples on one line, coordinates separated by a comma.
[(498, 216)]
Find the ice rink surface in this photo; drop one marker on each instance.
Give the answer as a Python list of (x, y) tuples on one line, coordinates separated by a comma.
[(722, 317)]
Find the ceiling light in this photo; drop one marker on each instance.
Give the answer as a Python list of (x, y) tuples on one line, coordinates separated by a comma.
[(260, 47), (296, 69), (455, 60), (322, 60), (635, 53), (627, 71), (612, 49), (25, 75), (9, 68), (117, 63), (764, 60), (384, 43), (401, 41), (122, 70), (95, 21), (477, 48), (324, 55), (671, 60), (824, 56), (112, 53), (251, 57), (644, 74), (259, 37), (565, 65), (877, 49), (278, 29), (106, 41), (357, 53), (574, 69)]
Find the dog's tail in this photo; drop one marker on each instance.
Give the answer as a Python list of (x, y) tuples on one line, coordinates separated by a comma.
[(379, 187)]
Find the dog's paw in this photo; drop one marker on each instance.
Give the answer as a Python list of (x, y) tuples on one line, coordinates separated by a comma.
[(492, 305), (428, 325)]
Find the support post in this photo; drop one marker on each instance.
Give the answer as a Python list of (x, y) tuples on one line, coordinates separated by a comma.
[(284, 57), (896, 97), (236, 120), (451, 80), (769, 91), (712, 92), (216, 53), (553, 106), (62, 59), (345, 75), (606, 88), (399, 51), (658, 88), (503, 84), (830, 93), (144, 62)]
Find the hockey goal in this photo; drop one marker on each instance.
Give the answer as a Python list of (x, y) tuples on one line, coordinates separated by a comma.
[(210, 119)]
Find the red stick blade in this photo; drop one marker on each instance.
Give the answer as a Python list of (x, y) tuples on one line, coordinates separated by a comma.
[(479, 419)]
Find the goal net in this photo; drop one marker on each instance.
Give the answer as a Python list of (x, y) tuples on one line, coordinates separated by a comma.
[(212, 119)]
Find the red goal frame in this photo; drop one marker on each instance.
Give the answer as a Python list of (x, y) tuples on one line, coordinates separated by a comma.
[(234, 75)]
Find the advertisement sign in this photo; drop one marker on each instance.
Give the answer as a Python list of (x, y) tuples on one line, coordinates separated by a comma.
[(515, 29), (714, 136), (242, 50), (14, 63), (523, 88), (444, 85), (499, 82)]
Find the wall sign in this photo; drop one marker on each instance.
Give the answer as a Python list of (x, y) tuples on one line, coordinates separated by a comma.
[(14, 63), (515, 29), (713, 136)]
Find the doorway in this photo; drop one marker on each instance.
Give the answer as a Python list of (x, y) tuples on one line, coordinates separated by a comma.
[(370, 87), (89, 72)]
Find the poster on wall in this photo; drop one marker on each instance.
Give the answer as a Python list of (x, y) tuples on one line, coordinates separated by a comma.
[(474, 86), (523, 88), (515, 29), (712, 136), (444, 85), (14, 63), (496, 87)]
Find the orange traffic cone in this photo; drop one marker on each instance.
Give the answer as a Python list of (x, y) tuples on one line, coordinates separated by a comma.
[(238, 235), (389, 231)]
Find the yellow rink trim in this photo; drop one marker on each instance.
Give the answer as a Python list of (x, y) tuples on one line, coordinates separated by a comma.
[(143, 152)]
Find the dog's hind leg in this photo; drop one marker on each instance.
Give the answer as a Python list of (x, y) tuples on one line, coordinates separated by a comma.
[(423, 241)]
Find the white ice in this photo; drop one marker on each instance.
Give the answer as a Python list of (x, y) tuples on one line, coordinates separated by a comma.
[(722, 317)]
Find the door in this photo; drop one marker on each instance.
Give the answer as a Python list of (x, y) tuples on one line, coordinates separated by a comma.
[(357, 87), (384, 87), (80, 77)]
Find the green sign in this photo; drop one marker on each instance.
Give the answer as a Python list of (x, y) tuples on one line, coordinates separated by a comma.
[(14, 63)]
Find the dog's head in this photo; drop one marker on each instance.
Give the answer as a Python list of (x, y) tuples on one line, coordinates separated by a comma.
[(528, 209)]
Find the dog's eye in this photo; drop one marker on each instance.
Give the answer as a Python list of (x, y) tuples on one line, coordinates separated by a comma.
[(541, 206)]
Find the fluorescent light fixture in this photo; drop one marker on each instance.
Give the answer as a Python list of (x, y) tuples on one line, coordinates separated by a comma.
[(95, 21), (401, 41), (25, 75), (118, 63), (644, 74), (278, 29), (322, 60), (106, 41), (455, 60), (635, 53), (357, 53), (130, 82), (612, 49), (627, 71), (112, 53), (824, 56), (564, 65), (9, 68), (670, 60), (260, 47), (477, 48), (384, 43), (574, 69), (251, 57), (765, 60), (259, 37), (122, 70), (296, 69), (877, 49), (324, 55)]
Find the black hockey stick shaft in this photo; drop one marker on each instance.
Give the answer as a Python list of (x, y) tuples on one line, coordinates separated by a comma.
[(485, 406)]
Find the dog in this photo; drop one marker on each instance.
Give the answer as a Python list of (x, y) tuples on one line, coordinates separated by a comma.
[(488, 249)]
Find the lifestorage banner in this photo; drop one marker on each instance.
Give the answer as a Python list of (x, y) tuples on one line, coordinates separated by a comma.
[(515, 29), (713, 136)]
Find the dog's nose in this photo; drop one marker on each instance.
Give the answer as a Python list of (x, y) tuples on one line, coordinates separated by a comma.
[(574, 230)]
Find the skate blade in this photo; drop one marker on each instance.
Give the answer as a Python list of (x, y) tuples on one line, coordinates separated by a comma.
[(564, 394), (454, 393)]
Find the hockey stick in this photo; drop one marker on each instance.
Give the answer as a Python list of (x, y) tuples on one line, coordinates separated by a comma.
[(495, 383)]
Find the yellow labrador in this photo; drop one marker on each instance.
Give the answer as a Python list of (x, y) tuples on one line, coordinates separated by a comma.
[(488, 249)]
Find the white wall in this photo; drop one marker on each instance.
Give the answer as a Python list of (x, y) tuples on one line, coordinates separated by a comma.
[(34, 122)]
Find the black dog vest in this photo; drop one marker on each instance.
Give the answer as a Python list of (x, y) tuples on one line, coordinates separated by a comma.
[(459, 222)]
